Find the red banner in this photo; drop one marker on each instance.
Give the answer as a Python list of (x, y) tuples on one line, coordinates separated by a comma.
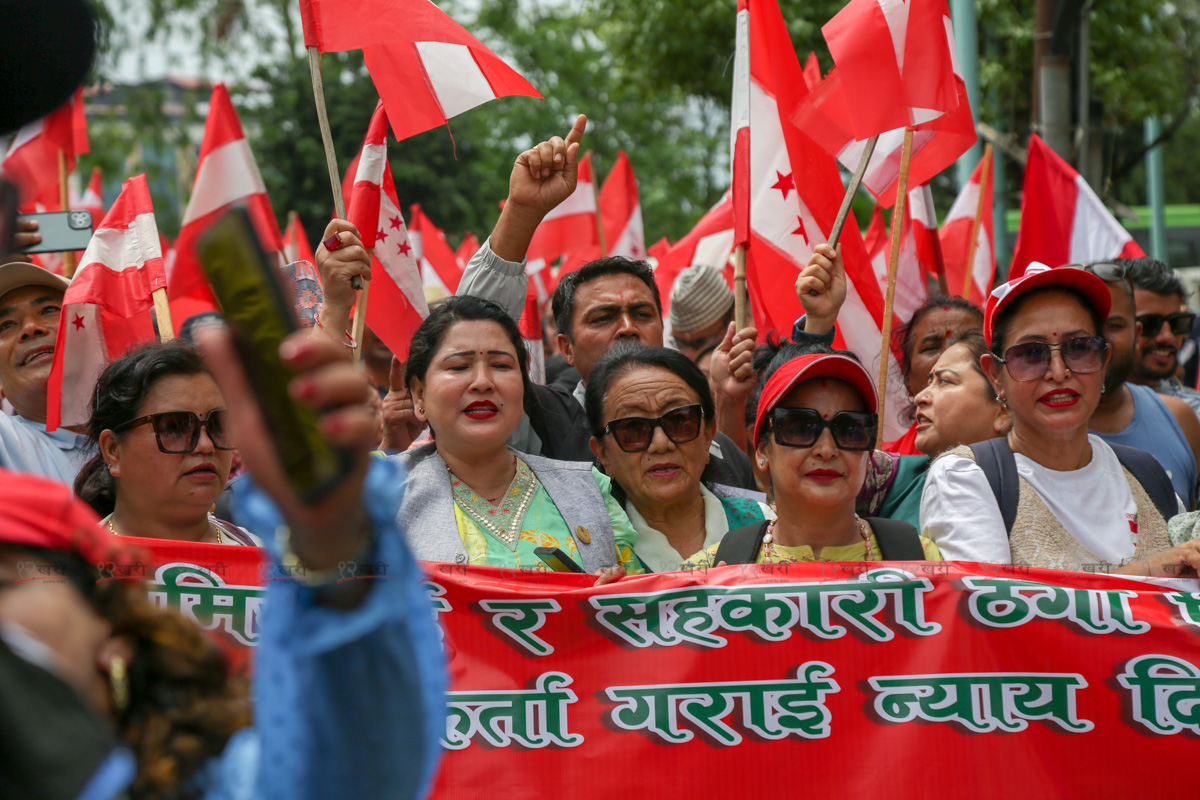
[(839, 680)]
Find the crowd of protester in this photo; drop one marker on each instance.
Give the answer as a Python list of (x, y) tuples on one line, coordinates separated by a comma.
[(1049, 428)]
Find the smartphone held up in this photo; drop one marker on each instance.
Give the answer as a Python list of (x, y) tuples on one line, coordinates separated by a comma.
[(255, 303)]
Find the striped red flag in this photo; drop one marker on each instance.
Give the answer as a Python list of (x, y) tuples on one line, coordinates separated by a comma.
[(32, 160), (295, 242), (226, 174), (397, 302), (572, 223), (107, 308), (956, 238), (426, 67), (439, 266), (621, 211)]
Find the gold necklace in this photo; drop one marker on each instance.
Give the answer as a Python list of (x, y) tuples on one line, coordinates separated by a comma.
[(216, 529)]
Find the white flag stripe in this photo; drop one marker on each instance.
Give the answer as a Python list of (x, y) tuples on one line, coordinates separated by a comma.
[(632, 241), (226, 175), (119, 250), (456, 79), (920, 206), (965, 204), (84, 358), (402, 269), (895, 14), (741, 78), (581, 201), (25, 135), (1095, 233), (713, 250), (982, 269), (371, 164)]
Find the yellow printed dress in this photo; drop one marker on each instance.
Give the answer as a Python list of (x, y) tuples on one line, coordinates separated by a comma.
[(505, 534)]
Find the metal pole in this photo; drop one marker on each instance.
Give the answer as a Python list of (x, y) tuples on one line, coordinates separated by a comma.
[(1000, 213), (1154, 191), (966, 39)]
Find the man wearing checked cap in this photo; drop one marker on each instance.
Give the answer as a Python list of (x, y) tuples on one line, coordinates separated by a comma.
[(701, 310), (30, 304)]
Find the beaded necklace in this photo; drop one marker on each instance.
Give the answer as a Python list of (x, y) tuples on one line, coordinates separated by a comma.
[(502, 521), (768, 542)]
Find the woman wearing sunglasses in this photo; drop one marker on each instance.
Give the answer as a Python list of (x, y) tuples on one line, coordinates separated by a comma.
[(652, 419), (158, 422), (470, 499), (814, 430), (1077, 507)]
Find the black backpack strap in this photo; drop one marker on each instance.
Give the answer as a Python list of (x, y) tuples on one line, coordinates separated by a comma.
[(741, 545), (999, 465), (898, 540), (1151, 475)]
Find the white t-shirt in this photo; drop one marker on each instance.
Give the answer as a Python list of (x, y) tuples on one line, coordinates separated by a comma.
[(960, 514)]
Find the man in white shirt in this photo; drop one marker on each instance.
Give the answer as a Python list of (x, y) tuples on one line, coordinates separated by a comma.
[(30, 304)]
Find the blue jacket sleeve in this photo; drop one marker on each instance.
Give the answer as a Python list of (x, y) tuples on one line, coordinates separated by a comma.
[(347, 703), (800, 336)]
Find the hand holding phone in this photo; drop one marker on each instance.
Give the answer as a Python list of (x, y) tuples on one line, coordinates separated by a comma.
[(57, 231)]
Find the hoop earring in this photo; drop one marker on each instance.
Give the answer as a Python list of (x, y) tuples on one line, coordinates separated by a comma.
[(118, 679)]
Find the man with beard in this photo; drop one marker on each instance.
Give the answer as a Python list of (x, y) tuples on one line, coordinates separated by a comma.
[(1165, 323), (1135, 415), (30, 304)]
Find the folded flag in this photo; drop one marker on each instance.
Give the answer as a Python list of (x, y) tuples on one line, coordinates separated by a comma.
[(621, 211)]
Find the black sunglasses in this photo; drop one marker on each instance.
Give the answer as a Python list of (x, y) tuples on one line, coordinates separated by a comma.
[(1106, 271), (634, 434), (1180, 322), (179, 431), (802, 427), (1030, 360)]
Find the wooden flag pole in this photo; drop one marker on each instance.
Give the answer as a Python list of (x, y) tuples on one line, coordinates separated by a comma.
[(360, 319), (851, 190), (65, 201), (893, 259), (741, 296), (162, 313), (940, 266), (339, 205), (984, 182)]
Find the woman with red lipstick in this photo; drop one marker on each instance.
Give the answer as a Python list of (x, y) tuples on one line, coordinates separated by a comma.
[(814, 432), (652, 418), (470, 499), (1079, 505), (164, 452)]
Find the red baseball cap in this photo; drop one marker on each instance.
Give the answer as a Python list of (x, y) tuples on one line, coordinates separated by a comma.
[(1039, 276), (817, 365), (38, 512)]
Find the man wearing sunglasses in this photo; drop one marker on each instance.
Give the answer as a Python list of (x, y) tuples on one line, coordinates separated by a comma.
[(1165, 322), (30, 304), (1133, 415)]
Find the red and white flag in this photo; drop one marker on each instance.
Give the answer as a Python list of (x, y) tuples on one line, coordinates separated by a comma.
[(956, 237), (32, 160), (1062, 219), (439, 266), (894, 62), (295, 242), (226, 174), (397, 302), (466, 250), (426, 67), (710, 242), (531, 332), (923, 218), (621, 211), (107, 308), (911, 291), (795, 192), (572, 223)]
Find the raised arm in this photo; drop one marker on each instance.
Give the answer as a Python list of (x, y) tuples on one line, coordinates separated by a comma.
[(542, 178)]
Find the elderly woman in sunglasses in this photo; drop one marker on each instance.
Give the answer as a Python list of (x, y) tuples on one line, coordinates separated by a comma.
[(1078, 503), (652, 419), (164, 453), (814, 430), (470, 499)]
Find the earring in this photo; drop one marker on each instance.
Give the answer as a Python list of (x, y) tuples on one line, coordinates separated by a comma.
[(119, 681), (420, 409), (762, 462)]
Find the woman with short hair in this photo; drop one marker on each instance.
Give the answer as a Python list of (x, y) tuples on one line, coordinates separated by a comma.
[(652, 418)]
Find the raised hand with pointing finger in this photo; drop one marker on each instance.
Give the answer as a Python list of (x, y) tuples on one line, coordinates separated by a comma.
[(400, 425), (542, 177)]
